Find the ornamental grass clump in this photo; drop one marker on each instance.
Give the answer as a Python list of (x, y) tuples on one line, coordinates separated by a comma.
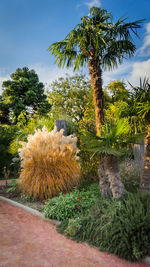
[(49, 164)]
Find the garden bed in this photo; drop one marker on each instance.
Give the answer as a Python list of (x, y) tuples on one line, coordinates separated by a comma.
[(16, 196)]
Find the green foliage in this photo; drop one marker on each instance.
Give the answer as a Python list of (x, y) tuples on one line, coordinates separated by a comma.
[(71, 97), (128, 232), (117, 90), (122, 228), (13, 185), (4, 111), (23, 93), (113, 139), (36, 122), (116, 110), (7, 133), (73, 226), (69, 205), (96, 34), (141, 100)]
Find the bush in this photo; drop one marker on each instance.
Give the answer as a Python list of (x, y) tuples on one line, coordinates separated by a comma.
[(73, 226), (49, 164), (7, 133), (128, 232), (130, 173), (122, 228), (72, 204)]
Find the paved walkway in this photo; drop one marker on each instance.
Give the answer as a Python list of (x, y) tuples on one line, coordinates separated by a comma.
[(28, 241)]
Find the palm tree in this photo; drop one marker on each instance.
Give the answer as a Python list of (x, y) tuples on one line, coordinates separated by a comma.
[(112, 144), (101, 44), (141, 95)]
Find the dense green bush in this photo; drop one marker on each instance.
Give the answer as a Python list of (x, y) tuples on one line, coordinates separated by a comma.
[(122, 228), (128, 232), (7, 133), (68, 205)]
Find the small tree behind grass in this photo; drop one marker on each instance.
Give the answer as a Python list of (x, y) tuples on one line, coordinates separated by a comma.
[(49, 164)]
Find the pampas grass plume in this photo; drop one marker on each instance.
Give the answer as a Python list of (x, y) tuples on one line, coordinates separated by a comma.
[(49, 164)]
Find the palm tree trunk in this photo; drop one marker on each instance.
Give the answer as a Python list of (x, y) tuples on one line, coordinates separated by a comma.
[(98, 96), (145, 179), (103, 180), (111, 167), (98, 99)]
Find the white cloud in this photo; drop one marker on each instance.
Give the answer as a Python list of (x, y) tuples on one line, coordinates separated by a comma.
[(145, 48), (92, 3), (121, 73), (139, 70), (129, 72), (48, 74)]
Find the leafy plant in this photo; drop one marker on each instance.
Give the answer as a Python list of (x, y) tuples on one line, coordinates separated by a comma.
[(49, 164), (69, 205), (7, 133), (114, 142), (13, 186), (73, 226), (122, 227)]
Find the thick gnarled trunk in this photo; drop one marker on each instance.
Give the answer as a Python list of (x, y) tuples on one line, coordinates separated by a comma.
[(111, 167), (98, 96), (103, 181), (145, 179)]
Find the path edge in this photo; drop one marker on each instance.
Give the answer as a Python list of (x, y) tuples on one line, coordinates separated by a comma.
[(28, 209), (146, 260)]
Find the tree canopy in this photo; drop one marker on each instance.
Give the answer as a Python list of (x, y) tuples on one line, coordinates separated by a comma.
[(22, 93), (71, 96), (100, 43)]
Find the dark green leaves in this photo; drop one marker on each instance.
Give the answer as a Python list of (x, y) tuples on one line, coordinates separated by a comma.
[(97, 34)]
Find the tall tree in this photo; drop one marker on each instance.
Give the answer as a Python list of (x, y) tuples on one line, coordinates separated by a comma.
[(23, 93), (141, 96), (100, 43), (72, 97), (112, 144)]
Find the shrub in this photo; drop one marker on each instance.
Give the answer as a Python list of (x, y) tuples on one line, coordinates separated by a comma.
[(72, 204), (49, 164), (7, 133), (130, 173), (13, 186), (73, 226), (128, 232), (122, 228)]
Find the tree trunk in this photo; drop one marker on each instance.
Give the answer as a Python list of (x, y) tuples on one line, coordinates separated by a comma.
[(111, 167), (98, 96), (145, 179), (103, 181)]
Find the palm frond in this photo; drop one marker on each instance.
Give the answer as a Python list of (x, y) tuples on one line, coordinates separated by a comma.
[(97, 33)]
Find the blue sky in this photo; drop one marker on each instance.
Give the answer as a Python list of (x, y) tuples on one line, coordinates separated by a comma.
[(28, 27)]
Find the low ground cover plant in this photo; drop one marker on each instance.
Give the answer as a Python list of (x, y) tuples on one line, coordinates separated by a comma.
[(69, 205), (119, 227)]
